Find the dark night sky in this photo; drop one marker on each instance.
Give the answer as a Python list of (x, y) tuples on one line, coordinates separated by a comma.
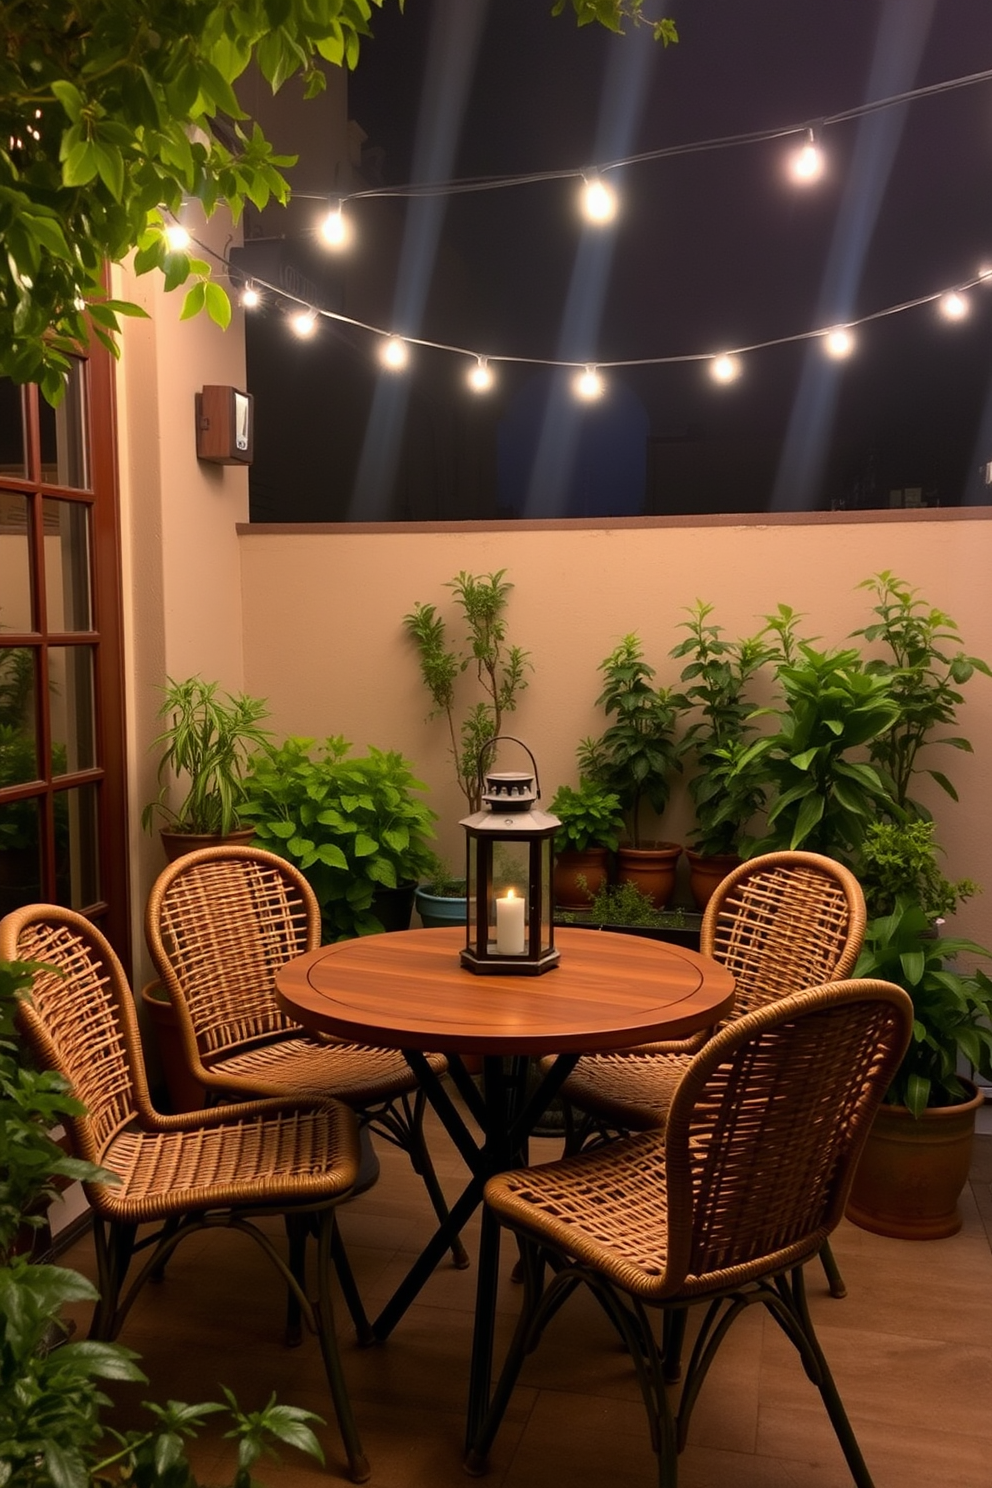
[(709, 250)]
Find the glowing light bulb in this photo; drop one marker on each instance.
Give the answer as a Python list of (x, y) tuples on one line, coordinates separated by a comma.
[(588, 384), (250, 297), (335, 229), (394, 353), (599, 201), (480, 377), (839, 343), (953, 306), (807, 163), (304, 322), (725, 368), (177, 237)]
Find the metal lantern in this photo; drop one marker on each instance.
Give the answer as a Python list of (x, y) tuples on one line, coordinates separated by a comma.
[(509, 924)]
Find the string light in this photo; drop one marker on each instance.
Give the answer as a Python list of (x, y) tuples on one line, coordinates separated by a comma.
[(599, 201), (725, 368), (250, 297), (480, 377), (177, 237), (336, 230), (806, 164), (839, 343), (394, 353), (588, 385), (304, 322), (953, 306)]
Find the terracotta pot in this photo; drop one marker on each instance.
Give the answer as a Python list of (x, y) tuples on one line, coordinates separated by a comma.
[(185, 1093), (911, 1172), (651, 868), (706, 872), (178, 844), (591, 864)]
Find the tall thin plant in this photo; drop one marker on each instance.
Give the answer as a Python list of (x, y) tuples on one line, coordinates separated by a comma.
[(499, 669)]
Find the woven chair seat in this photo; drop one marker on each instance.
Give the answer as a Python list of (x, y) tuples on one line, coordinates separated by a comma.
[(293, 1155), (357, 1073), (629, 1090)]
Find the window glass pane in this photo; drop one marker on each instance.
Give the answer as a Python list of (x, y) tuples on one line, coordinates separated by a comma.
[(64, 448), (11, 429), (18, 744), (67, 564), (77, 870), (70, 691), (15, 564), (20, 858)]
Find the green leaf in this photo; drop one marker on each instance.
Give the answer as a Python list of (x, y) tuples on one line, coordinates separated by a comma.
[(365, 846), (331, 855), (218, 304), (810, 813), (194, 301)]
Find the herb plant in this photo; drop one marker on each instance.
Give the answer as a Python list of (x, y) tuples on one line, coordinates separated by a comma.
[(925, 668), (498, 668), (206, 746), (899, 859), (590, 816), (351, 825), (636, 756), (715, 680), (952, 1010)]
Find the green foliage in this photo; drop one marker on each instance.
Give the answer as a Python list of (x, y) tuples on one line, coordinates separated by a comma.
[(636, 756), (590, 816), (899, 859), (951, 1009), (823, 799), (110, 117), (925, 669), (350, 825), (207, 744), (613, 13), (498, 669), (51, 1396), (715, 679), (438, 878), (626, 904)]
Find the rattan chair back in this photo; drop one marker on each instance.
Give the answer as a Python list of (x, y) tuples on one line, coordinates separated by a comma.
[(767, 1125), (80, 1020), (220, 923), (782, 922)]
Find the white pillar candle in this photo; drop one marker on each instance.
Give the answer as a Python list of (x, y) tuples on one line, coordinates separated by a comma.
[(510, 926)]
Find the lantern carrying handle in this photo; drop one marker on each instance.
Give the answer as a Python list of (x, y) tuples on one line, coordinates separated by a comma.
[(506, 739)]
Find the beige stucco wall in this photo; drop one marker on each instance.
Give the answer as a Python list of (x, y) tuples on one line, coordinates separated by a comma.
[(181, 564), (324, 640)]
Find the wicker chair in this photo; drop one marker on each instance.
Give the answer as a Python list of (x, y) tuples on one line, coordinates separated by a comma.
[(780, 923), (723, 1207), (183, 1173), (220, 923)]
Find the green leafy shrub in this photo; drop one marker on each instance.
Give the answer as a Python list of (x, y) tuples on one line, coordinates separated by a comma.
[(899, 859), (590, 816), (351, 825)]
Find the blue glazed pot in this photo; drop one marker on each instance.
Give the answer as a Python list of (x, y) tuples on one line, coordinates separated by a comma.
[(438, 910)]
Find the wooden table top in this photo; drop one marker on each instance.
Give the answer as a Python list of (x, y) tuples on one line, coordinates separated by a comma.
[(408, 990)]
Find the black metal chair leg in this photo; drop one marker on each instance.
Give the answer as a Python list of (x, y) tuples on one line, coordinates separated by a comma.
[(358, 1464), (297, 1228), (832, 1271)]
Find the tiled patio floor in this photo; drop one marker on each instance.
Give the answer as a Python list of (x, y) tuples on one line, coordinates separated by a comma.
[(910, 1347)]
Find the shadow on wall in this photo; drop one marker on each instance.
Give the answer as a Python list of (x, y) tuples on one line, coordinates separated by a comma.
[(561, 457)]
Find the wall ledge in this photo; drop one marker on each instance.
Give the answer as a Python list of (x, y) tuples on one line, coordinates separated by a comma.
[(757, 520)]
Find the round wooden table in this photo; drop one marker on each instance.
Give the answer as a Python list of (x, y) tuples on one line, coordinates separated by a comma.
[(409, 991)]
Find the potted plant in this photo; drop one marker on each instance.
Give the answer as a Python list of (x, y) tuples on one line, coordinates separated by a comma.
[(924, 669), (440, 897), (725, 797), (206, 746), (591, 822), (635, 758), (355, 826), (624, 908), (499, 670), (918, 1153), (822, 795)]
